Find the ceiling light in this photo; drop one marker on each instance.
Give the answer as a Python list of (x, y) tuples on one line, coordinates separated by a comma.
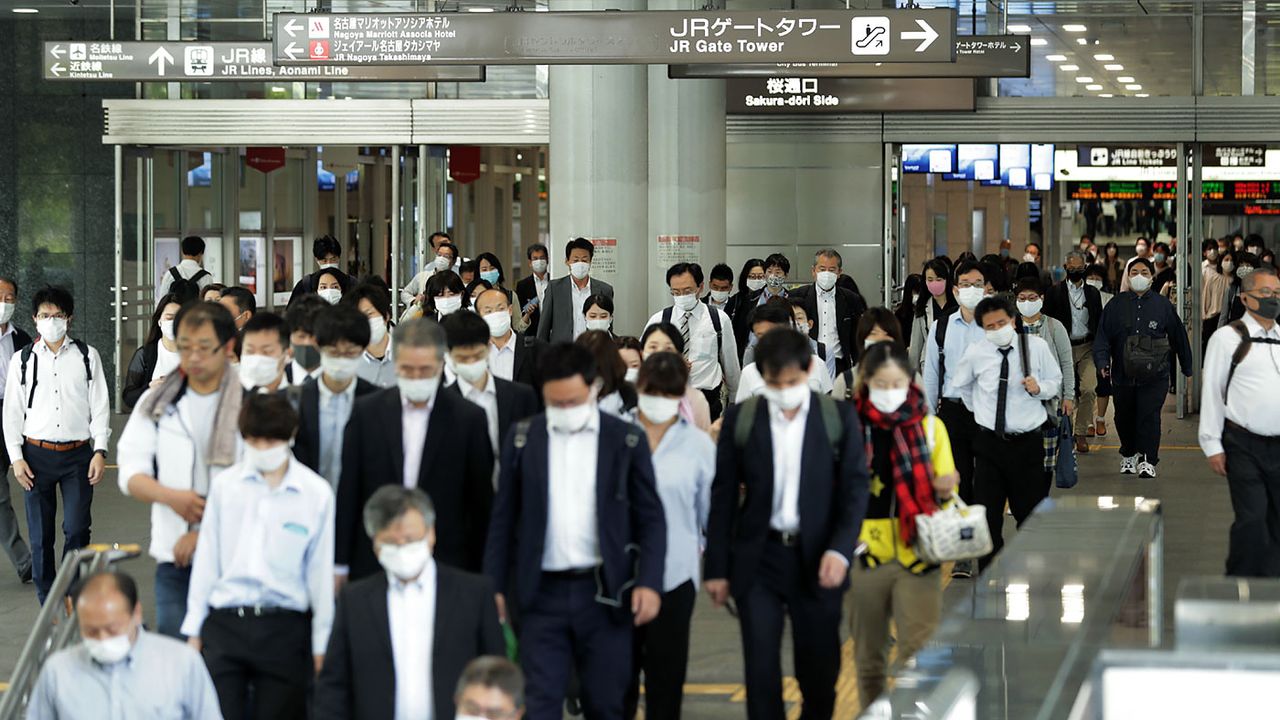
[(1082, 41), (1142, 95), (1084, 79), (1133, 87), (480, 9), (1039, 42), (1107, 95), (1055, 58), (1093, 88), (26, 11), (1124, 79), (277, 88), (1019, 28), (1075, 28), (1113, 67), (1103, 57), (1069, 68)]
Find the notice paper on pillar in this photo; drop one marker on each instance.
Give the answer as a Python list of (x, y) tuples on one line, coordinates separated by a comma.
[(674, 249), (464, 163), (604, 260)]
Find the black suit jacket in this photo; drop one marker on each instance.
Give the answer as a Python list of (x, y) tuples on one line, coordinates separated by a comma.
[(629, 513), (515, 402), (456, 472), (1057, 305), (528, 359), (849, 309), (306, 447), (740, 308), (526, 290), (359, 676), (833, 496)]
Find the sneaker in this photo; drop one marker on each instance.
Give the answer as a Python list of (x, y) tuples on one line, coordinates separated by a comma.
[(963, 570), (1129, 465), (1146, 469), (1082, 445)]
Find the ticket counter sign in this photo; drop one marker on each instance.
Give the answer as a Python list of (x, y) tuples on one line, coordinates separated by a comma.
[(611, 37)]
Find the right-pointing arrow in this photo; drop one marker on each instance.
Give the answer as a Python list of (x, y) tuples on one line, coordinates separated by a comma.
[(926, 35), (292, 51)]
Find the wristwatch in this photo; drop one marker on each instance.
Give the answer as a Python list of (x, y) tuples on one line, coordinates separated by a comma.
[(103, 453)]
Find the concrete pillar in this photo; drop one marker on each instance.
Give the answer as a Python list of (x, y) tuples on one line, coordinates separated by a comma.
[(599, 168), (686, 166)]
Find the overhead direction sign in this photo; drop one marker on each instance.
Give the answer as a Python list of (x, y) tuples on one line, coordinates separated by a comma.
[(976, 56), (219, 62), (611, 37), (804, 96)]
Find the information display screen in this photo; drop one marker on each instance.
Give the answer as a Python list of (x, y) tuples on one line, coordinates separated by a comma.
[(1042, 167), (929, 158), (1236, 191), (1015, 166), (978, 162)]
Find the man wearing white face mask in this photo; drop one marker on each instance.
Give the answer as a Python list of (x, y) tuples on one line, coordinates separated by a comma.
[(403, 636), (264, 353), (12, 338), (720, 286), (413, 290), (56, 427), (562, 319), (709, 343), (834, 311), (260, 605), (512, 356), (120, 670), (416, 436), (531, 290)]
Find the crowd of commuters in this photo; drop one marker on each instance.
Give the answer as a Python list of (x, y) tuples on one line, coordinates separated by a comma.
[(353, 511)]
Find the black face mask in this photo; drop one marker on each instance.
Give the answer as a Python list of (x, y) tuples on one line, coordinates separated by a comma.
[(308, 356), (1268, 307), (1075, 276)]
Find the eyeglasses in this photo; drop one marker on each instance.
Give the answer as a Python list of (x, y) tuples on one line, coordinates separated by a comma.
[(683, 292), (201, 349), (1266, 294), (964, 284), (55, 316)]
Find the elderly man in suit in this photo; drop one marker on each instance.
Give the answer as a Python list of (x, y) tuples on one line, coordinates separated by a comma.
[(401, 638), (562, 312), (512, 356), (835, 311)]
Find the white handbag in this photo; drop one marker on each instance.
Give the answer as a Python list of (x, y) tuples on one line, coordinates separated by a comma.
[(956, 532)]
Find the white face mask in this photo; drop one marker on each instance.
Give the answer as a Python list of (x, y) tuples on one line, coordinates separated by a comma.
[(328, 266), (632, 374), (969, 297), (405, 562), (599, 324), (570, 419), (539, 266), (471, 372), (888, 400), (719, 297), (449, 305), (580, 270), (786, 398), (418, 390), (442, 263), (330, 295), (1029, 258), (6, 312), (52, 329), (166, 329), (1139, 283), (341, 369), (755, 284), (109, 651), (1003, 337), (684, 303), (658, 409), (1097, 284), (1030, 308), (499, 323), (377, 330), (258, 370), (1227, 265), (826, 280), (265, 461)]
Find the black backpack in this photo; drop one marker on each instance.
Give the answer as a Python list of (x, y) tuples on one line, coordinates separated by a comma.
[(1237, 357), (28, 352), (715, 323), (940, 336)]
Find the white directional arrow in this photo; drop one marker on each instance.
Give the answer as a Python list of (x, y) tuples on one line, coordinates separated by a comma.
[(1017, 47), (57, 51), (159, 58), (926, 35), (292, 51), (57, 69), (292, 27)]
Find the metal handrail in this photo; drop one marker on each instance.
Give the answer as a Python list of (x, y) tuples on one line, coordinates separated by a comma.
[(55, 626)]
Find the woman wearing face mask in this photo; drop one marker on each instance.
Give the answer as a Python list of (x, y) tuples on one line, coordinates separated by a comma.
[(912, 473), (1095, 275), (598, 310), (751, 283), (158, 356), (1218, 268), (1111, 264), (476, 287), (664, 337), (330, 286), (684, 464), (937, 301), (876, 325), (1030, 302), (913, 291), (632, 355), (617, 396), (1232, 308), (377, 363), (445, 294)]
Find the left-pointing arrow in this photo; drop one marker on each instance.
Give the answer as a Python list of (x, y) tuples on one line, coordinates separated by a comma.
[(57, 69), (927, 35), (292, 51), (159, 58), (57, 51), (291, 27)]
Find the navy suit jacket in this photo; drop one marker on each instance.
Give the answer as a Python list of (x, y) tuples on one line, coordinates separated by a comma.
[(628, 509), (306, 447), (833, 496)]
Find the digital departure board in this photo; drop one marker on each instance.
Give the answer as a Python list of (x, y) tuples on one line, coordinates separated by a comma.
[(1235, 191)]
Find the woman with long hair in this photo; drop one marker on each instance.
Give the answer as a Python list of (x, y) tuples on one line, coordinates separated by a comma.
[(617, 396), (876, 325), (937, 301), (665, 337), (1110, 262), (751, 283), (158, 355)]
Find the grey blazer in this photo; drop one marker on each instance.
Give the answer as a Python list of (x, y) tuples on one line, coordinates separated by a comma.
[(556, 324)]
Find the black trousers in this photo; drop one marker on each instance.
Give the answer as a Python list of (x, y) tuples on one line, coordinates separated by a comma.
[(961, 430), (782, 587), (1011, 469), (1252, 460), (56, 472), (843, 363), (713, 401), (661, 650), (272, 654), (1138, 417)]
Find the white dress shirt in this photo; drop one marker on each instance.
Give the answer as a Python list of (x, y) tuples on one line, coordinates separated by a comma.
[(573, 536), (579, 298), (502, 358), (788, 451), (978, 374), (413, 436), (1079, 329), (65, 407), (540, 285), (166, 362), (7, 351), (828, 332), (300, 374), (265, 546), (1253, 402), (751, 382), (708, 370), (411, 614), (961, 334)]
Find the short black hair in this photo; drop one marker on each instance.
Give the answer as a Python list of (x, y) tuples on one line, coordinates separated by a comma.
[(192, 246), (431, 240), (243, 298), (1029, 284), (495, 262), (964, 267), (493, 672), (1152, 266), (453, 249), (564, 360), (579, 244), (120, 580), (721, 271), (265, 321), (663, 374), (778, 260), (994, 304), (57, 296), (1161, 246), (377, 295), (878, 317), (324, 246), (198, 313), (778, 313), (341, 322), (1035, 245), (604, 301), (1095, 269), (670, 330), (268, 416), (302, 312), (678, 269), (536, 247), (628, 342), (469, 266), (441, 281), (464, 329), (995, 275), (781, 349)]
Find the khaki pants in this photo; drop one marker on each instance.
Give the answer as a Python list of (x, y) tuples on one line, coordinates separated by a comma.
[(878, 595), (1086, 384)]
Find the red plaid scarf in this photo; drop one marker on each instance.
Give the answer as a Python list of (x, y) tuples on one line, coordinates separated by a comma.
[(909, 456)]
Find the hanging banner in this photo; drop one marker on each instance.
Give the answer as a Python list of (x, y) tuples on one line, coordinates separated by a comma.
[(264, 159), (464, 163)]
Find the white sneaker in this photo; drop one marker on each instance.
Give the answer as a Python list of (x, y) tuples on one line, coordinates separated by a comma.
[(1129, 465), (1146, 469)]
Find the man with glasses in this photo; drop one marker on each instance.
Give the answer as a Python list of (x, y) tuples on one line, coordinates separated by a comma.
[(1238, 421), (491, 688), (56, 427), (181, 433), (776, 269), (709, 344)]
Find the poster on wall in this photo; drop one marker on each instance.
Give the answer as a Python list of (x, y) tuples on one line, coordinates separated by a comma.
[(604, 261), (674, 249), (168, 255), (248, 277), (285, 270)]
